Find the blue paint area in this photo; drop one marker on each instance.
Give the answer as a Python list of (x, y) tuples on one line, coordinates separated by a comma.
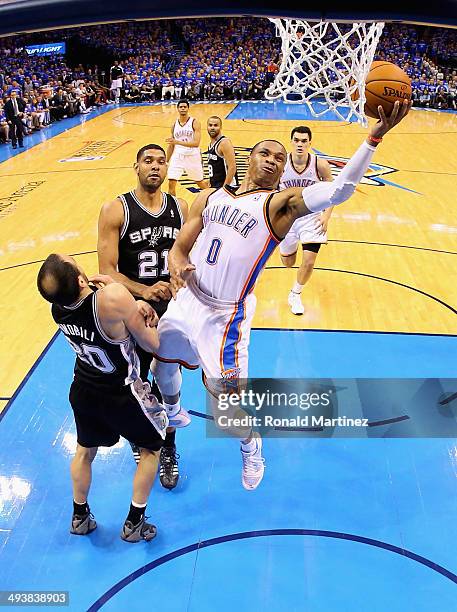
[(400, 493), (278, 109), (264, 109), (276, 590), (298, 353)]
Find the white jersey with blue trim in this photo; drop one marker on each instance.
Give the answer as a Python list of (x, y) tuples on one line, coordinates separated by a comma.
[(291, 177), (235, 243), (185, 133)]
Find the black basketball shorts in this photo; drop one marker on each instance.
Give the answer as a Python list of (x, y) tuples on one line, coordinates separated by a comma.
[(102, 416)]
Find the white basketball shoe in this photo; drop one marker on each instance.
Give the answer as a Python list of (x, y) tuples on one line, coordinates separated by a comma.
[(178, 417), (253, 465), (295, 303)]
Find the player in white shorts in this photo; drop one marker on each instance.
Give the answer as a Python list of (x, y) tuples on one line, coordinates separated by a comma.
[(217, 258), (183, 153), (116, 74), (302, 169)]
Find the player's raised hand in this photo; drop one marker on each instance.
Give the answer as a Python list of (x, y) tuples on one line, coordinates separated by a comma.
[(148, 313), (179, 275), (386, 123)]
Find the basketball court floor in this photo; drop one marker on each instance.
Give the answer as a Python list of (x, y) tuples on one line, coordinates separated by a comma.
[(364, 524)]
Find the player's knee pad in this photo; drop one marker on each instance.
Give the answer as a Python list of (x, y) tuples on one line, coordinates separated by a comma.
[(168, 377)]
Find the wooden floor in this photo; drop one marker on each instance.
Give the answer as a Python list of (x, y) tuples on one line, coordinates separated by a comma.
[(390, 264)]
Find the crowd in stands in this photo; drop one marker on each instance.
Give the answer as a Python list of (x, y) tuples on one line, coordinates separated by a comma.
[(211, 59), (429, 58)]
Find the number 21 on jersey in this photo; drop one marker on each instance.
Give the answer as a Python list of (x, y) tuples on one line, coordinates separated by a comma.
[(148, 264)]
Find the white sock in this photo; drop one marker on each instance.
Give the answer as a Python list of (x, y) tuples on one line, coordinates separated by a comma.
[(248, 447), (135, 505), (172, 409), (297, 288)]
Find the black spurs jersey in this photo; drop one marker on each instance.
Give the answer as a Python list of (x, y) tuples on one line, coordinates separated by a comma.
[(145, 240), (217, 168), (100, 361)]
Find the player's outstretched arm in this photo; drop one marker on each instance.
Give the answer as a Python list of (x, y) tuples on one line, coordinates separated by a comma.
[(288, 205), (178, 257), (119, 314)]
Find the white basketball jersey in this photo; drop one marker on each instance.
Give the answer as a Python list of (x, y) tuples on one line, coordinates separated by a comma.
[(186, 134), (308, 176), (234, 245), (292, 178)]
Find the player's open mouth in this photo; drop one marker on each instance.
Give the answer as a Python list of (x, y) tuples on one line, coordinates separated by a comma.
[(269, 170)]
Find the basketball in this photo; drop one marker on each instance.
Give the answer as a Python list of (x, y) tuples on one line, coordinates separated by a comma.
[(385, 83)]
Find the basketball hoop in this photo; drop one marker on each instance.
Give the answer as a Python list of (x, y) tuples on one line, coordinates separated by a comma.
[(324, 65)]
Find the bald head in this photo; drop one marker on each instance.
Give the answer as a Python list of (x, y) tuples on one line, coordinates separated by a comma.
[(58, 280), (48, 284)]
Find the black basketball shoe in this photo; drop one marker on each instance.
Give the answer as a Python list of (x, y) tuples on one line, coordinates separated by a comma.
[(169, 471)]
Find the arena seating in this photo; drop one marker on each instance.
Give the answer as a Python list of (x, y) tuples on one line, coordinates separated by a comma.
[(214, 59)]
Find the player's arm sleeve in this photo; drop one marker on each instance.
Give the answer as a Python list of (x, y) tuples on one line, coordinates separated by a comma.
[(322, 195)]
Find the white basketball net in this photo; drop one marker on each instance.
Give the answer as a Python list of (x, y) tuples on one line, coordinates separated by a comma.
[(324, 64)]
